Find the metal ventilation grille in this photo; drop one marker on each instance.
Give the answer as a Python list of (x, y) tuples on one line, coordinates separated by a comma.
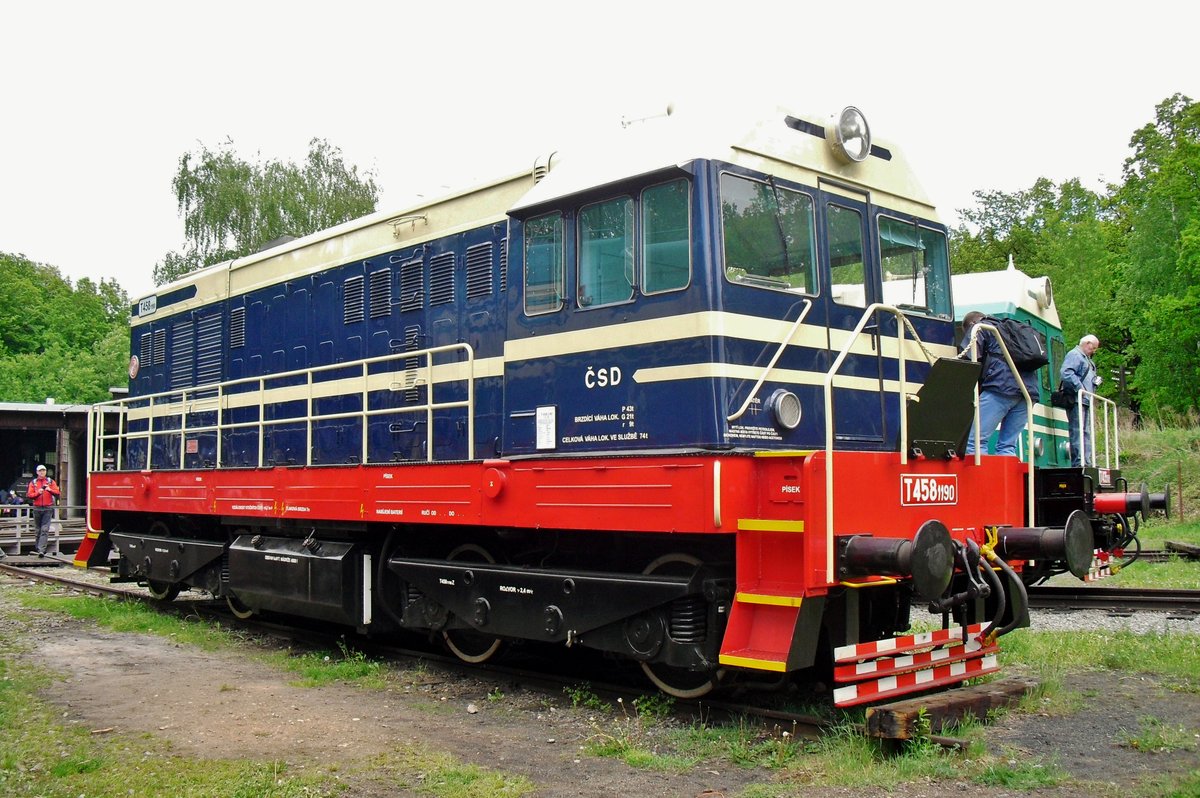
[(208, 349), (412, 285), (160, 347), (237, 328), (441, 279), (503, 265), (182, 353), (381, 293), (145, 351), (412, 341), (352, 310), (479, 270)]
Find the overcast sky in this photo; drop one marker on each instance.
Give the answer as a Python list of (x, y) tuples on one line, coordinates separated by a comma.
[(100, 99)]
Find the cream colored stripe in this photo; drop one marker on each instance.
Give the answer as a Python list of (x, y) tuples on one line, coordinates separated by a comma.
[(695, 371), (706, 323)]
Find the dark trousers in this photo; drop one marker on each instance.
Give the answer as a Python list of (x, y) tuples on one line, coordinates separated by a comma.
[(42, 517)]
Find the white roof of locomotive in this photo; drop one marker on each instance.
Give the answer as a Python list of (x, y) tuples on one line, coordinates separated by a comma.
[(748, 137), (725, 132), (1004, 292)]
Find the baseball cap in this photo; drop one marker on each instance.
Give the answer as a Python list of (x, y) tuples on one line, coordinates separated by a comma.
[(41, 468)]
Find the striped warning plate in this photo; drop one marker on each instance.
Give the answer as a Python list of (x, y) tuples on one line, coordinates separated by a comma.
[(900, 684), (886, 666), (902, 645)]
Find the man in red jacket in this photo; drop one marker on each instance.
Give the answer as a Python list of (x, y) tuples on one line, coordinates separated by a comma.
[(43, 491)]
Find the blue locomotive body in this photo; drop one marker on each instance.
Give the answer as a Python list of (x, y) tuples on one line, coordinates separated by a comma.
[(629, 315)]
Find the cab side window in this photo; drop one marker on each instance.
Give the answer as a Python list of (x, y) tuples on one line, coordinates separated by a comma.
[(606, 247), (544, 287), (666, 237), (847, 266), (768, 234)]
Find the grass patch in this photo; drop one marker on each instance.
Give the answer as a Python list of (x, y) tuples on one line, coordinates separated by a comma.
[(42, 756), (1154, 736), (641, 738), (441, 775), (320, 668), (1053, 654), (1175, 574), (315, 668), (122, 615)]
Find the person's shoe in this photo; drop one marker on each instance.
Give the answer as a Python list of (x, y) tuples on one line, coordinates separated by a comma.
[(41, 553)]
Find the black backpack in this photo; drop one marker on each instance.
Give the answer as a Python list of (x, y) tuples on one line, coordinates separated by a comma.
[(1024, 343)]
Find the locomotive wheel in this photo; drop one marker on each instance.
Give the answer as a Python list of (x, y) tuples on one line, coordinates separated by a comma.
[(467, 644), (162, 591), (239, 610), (678, 682)]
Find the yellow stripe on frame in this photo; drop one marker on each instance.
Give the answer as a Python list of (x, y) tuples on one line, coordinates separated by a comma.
[(763, 598), (787, 453), (751, 662), (769, 525), (885, 580)]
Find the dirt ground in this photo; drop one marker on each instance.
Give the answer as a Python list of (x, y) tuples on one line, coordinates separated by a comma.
[(224, 705)]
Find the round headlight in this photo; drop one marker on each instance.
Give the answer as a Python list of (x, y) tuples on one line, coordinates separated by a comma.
[(785, 408), (849, 135)]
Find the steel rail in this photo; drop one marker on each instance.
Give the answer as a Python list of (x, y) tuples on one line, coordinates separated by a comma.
[(1113, 598)]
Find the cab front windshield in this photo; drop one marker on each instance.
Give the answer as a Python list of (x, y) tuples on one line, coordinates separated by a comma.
[(770, 241)]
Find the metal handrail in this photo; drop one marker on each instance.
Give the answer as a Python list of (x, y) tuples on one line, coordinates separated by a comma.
[(974, 347), (901, 361), (1109, 407), (17, 528), (158, 408), (787, 339)]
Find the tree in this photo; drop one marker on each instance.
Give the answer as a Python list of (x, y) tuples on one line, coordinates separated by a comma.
[(232, 207), (1159, 205), (69, 342), (1064, 231)]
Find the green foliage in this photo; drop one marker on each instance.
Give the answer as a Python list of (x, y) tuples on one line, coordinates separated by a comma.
[(582, 697), (232, 207), (1125, 264), (68, 342)]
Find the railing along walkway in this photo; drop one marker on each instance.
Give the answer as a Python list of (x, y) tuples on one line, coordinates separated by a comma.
[(18, 533)]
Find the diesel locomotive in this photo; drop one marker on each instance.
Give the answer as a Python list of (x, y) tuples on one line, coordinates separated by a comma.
[(691, 397), (1098, 489)]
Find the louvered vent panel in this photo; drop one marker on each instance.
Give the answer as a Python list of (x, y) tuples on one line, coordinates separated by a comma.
[(381, 293), (352, 309), (146, 350), (503, 265), (160, 347), (412, 285), (208, 350), (237, 328), (441, 279), (479, 270), (412, 342), (183, 353)]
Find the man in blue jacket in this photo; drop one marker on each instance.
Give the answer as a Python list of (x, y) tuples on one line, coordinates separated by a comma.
[(1079, 372), (1001, 403)]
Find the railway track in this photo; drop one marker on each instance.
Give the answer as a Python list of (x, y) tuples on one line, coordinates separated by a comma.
[(1114, 599)]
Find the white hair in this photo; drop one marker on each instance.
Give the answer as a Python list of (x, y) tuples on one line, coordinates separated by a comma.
[(1089, 339)]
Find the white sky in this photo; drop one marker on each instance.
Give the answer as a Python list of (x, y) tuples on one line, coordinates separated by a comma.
[(99, 100)]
